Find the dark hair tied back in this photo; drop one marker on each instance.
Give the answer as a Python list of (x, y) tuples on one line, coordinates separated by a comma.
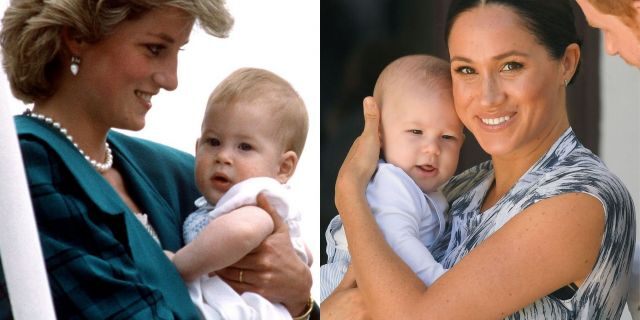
[(551, 21)]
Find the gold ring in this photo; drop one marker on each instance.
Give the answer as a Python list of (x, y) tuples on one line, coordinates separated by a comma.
[(240, 276)]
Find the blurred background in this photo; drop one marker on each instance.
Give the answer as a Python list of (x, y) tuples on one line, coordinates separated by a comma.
[(360, 37)]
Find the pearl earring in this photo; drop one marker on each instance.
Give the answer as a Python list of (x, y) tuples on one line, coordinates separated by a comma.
[(566, 82), (75, 65)]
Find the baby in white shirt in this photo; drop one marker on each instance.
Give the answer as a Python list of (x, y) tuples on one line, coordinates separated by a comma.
[(421, 137), (253, 132)]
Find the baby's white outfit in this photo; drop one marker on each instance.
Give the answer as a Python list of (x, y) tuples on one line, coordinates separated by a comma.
[(213, 297), (410, 220)]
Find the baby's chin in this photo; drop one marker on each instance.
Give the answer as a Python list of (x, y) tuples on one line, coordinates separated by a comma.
[(213, 196), (428, 188), (432, 185)]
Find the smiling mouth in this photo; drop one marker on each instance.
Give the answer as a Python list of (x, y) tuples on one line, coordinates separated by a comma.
[(144, 96), (495, 121), (427, 168)]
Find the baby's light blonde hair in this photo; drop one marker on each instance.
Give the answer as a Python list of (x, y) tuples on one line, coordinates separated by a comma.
[(31, 39), (432, 71), (264, 89)]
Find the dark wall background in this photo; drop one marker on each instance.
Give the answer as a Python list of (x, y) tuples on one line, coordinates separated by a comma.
[(360, 37)]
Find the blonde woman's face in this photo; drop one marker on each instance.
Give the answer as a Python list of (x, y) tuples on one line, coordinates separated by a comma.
[(619, 38), (120, 74)]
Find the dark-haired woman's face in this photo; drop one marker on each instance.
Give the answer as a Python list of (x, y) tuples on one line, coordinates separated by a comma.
[(507, 89)]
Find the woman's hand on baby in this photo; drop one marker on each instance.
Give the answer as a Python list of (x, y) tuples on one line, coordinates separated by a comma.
[(273, 269), (361, 161), (346, 301)]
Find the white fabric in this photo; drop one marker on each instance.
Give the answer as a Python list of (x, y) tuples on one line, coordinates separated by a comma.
[(22, 260), (215, 299), (410, 220), (341, 239), (211, 295)]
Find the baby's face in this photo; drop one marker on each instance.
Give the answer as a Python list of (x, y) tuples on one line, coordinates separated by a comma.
[(237, 143), (421, 134)]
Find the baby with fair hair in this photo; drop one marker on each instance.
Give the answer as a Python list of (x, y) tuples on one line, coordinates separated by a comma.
[(421, 137), (253, 133)]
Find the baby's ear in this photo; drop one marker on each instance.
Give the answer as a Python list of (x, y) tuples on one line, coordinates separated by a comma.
[(288, 163), (197, 144)]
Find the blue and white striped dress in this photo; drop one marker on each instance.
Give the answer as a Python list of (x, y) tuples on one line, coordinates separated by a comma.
[(567, 167)]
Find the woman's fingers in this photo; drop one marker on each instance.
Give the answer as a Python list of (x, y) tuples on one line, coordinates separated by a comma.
[(360, 163), (240, 279), (371, 119), (278, 222), (344, 304)]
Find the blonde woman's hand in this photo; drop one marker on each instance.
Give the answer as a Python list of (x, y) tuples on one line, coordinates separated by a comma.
[(361, 161), (273, 270)]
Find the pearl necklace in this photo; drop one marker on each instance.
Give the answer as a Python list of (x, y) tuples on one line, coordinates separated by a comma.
[(101, 167)]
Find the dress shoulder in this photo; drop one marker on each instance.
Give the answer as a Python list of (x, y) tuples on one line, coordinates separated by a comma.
[(467, 180)]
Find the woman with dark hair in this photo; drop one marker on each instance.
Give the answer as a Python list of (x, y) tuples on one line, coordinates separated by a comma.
[(541, 231)]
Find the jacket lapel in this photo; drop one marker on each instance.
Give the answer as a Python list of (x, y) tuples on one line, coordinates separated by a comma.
[(96, 187), (163, 218)]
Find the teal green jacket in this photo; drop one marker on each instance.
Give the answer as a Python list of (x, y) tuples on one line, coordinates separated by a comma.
[(100, 260)]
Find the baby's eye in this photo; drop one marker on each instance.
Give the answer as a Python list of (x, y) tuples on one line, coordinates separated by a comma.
[(245, 147), (213, 142), (465, 70), (448, 137), (415, 131), (155, 49), (512, 66)]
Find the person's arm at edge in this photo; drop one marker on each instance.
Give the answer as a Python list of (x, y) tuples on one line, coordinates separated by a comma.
[(497, 275), (223, 241)]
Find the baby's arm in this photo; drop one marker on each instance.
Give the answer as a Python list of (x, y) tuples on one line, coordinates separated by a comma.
[(398, 207), (223, 241)]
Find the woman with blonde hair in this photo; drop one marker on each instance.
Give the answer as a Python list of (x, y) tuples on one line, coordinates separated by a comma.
[(107, 204)]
